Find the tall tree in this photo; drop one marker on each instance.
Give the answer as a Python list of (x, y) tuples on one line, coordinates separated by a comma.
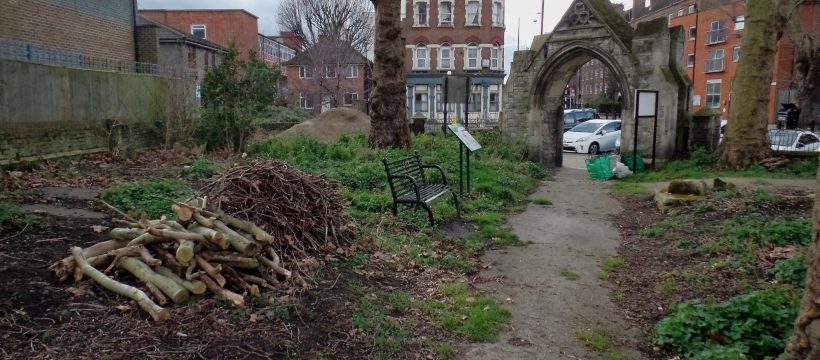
[(805, 343), (310, 21), (746, 141), (807, 58), (389, 127)]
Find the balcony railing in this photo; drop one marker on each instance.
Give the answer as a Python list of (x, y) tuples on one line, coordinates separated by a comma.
[(714, 65), (716, 36)]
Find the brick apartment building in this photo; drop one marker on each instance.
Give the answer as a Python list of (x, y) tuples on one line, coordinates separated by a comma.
[(176, 52), (69, 31), (593, 82), (225, 27), (464, 37), (327, 75), (714, 41)]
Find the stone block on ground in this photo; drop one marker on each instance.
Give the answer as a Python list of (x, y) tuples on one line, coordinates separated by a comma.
[(688, 187), (666, 200)]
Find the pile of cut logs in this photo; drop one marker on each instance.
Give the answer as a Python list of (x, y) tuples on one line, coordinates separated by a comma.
[(202, 250)]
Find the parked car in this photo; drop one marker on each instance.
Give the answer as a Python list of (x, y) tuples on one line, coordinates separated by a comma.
[(575, 117), (794, 140), (723, 123), (593, 136)]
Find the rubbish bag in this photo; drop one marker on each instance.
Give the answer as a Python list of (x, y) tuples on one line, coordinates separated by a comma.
[(621, 170), (599, 169), (627, 159)]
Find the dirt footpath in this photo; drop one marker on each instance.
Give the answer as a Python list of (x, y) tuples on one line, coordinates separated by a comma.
[(549, 311)]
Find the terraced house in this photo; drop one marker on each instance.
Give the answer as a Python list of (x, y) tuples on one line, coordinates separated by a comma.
[(461, 37)]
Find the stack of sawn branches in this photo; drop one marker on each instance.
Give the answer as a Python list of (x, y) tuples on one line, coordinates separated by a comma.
[(200, 251), (213, 247)]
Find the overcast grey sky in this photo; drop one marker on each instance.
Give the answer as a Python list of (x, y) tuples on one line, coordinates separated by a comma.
[(524, 10)]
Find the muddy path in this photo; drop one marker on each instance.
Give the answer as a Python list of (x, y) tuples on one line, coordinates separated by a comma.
[(551, 310)]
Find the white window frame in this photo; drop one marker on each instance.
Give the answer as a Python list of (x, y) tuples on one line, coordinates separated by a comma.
[(680, 12), (467, 13), (692, 9), (352, 71), (690, 60), (477, 57), (200, 26), (304, 73), (670, 16), (441, 20), (498, 14), (691, 37), (416, 57), (354, 96), (476, 91), (421, 90), (304, 101), (716, 33), (719, 84), (495, 58), (493, 90), (736, 54), (740, 23), (416, 14), (449, 65), (714, 59), (327, 72)]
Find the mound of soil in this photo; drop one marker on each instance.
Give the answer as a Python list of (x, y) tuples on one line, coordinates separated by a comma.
[(331, 125)]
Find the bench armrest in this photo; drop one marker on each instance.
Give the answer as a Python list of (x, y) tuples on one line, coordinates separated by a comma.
[(435, 166), (412, 181)]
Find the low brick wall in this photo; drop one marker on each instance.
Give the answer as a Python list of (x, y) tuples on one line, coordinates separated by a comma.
[(41, 141)]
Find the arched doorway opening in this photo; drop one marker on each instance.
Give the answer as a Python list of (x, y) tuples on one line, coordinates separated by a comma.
[(549, 98)]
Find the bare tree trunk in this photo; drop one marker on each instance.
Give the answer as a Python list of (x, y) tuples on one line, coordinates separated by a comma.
[(805, 343), (389, 128), (807, 59), (746, 140)]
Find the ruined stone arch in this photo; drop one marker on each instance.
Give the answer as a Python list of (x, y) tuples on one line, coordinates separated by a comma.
[(645, 58)]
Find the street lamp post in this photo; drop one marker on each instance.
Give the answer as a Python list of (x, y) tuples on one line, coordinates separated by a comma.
[(542, 17)]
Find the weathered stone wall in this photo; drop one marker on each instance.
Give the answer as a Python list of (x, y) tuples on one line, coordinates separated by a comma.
[(643, 59), (50, 111)]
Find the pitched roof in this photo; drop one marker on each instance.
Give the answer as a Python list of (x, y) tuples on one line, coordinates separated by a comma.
[(329, 52), (169, 34)]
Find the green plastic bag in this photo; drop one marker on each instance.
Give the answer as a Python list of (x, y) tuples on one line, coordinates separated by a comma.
[(627, 160), (599, 168)]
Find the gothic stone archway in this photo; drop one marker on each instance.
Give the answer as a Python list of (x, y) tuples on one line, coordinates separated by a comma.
[(645, 58)]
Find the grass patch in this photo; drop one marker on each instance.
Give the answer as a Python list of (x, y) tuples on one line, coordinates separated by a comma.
[(202, 169), (542, 202), (152, 198), (658, 229), (630, 188), (477, 318), (569, 275), (601, 341), (703, 165), (12, 217), (609, 265), (668, 286)]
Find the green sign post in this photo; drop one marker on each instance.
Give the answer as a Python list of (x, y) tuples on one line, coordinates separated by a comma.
[(465, 141)]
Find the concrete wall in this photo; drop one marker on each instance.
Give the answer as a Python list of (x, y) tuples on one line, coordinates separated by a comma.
[(102, 28), (49, 111)]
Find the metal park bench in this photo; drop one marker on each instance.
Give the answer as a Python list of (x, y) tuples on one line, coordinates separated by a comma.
[(409, 185)]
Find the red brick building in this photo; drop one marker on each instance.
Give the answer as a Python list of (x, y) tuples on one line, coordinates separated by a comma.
[(96, 28), (329, 74), (714, 41), (222, 27), (464, 37)]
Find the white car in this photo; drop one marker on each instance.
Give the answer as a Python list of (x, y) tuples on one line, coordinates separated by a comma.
[(593, 136), (794, 140)]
